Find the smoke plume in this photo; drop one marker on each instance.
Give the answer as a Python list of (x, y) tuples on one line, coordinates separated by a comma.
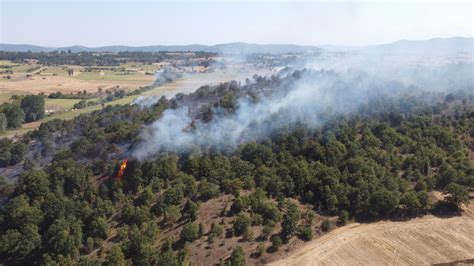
[(304, 99)]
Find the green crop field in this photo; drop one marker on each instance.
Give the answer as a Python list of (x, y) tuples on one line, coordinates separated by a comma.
[(60, 71), (25, 68), (113, 76), (63, 103)]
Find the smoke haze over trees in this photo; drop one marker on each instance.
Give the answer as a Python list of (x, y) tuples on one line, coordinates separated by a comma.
[(270, 159), (255, 111)]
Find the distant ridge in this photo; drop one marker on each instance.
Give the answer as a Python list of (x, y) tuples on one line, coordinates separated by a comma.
[(416, 47), (425, 47), (227, 48)]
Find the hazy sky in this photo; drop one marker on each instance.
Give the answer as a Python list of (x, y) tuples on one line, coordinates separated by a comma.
[(62, 23)]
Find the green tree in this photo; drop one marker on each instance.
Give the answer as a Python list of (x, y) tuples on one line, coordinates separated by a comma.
[(260, 249), (3, 122), (139, 247), (5, 152), (343, 217), (145, 197), (174, 195), (267, 230), (207, 190), (215, 231), (305, 233), (249, 235), (237, 206), (456, 195), (167, 257), (326, 225), (98, 228), (34, 183), (190, 210), (64, 237), (20, 244), (271, 213), (237, 258), (241, 224), (33, 107), (383, 202), (20, 213), (115, 257), (411, 202), (172, 214), (18, 152), (15, 116), (189, 232), (289, 225), (201, 230), (276, 242)]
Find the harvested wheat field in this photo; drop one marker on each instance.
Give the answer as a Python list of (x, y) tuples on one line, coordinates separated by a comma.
[(420, 241), (49, 84)]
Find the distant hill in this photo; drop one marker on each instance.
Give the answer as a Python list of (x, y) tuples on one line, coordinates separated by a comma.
[(228, 48), (24, 48), (421, 47), (436, 46)]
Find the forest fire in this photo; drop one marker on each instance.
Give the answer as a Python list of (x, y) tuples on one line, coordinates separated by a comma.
[(121, 170)]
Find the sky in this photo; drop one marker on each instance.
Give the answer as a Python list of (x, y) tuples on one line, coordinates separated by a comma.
[(351, 23)]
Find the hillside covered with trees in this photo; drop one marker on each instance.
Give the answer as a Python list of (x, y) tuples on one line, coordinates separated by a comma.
[(236, 204)]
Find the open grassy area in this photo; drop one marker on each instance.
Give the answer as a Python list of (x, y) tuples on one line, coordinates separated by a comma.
[(114, 76), (141, 66), (61, 103), (55, 78), (66, 104), (61, 71), (25, 68), (163, 89), (6, 63), (186, 84), (5, 96)]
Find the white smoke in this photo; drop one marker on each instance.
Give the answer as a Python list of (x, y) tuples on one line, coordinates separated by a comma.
[(305, 100)]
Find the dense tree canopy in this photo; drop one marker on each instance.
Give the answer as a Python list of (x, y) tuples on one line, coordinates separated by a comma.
[(382, 161)]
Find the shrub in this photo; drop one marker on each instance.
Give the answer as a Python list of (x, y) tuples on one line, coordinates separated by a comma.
[(326, 225), (276, 242), (306, 233), (241, 225), (189, 232)]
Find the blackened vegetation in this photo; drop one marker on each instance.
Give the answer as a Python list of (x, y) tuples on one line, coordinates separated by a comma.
[(379, 162)]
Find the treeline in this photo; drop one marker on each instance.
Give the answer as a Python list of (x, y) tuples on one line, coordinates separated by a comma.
[(381, 162), (98, 59), (27, 108)]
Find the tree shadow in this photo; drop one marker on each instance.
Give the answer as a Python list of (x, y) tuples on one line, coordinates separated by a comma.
[(271, 249), (445, 210)]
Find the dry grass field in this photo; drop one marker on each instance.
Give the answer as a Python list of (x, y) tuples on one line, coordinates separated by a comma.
[(84, 81), (420, 241), (53, 79), (34, 79), (191, 82)]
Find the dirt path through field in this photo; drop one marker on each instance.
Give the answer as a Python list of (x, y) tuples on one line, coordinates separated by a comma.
[(420, 241)]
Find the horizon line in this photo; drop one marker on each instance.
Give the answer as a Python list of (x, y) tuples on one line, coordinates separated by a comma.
[(233, 42)]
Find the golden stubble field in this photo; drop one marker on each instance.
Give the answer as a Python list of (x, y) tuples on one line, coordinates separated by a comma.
[(420, 241), (91, 81), (48, 84)]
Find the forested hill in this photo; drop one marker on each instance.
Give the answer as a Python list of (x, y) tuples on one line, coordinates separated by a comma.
[(283, 179)]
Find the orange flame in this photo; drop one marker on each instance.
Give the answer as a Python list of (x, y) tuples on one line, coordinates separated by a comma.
[(121, 170)]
